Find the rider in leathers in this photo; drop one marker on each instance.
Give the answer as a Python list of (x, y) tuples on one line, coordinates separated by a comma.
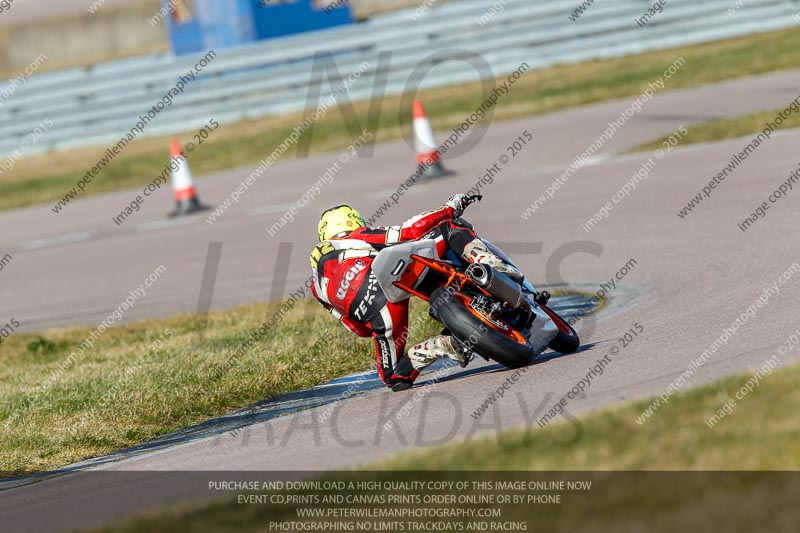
[(345, 285)]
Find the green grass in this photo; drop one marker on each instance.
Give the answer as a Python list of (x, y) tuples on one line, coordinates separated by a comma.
[(720, 130), (41, 180), (761, 434), (120, 393)]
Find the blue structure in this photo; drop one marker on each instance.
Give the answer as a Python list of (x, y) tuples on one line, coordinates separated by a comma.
[(218, 24)]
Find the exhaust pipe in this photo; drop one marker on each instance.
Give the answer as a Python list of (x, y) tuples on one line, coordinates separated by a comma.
[(496, 284)]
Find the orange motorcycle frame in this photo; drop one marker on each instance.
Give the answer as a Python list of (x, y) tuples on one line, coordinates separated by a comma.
[(416, 269)]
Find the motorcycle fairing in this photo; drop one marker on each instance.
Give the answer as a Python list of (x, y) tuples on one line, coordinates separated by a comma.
[(391, 262)]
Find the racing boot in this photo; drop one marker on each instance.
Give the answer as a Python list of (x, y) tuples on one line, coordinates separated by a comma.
[(477, 252), (425, 353)]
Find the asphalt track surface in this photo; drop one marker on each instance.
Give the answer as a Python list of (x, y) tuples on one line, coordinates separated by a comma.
[(692, 279)]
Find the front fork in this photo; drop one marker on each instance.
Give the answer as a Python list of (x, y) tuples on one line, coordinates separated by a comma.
[(542, 330)]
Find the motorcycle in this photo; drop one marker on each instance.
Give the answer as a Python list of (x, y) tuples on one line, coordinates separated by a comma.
[(486, 312)]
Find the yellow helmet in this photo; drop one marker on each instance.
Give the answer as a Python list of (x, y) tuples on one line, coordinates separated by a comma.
[(338, 221)]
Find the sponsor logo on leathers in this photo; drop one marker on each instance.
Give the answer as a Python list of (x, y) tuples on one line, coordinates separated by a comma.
[(349, 276), (369, 298)]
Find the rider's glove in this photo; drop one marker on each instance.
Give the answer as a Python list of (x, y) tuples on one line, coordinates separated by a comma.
[(458, 202)]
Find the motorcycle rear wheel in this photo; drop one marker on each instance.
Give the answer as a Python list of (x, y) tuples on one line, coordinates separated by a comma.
[(488, 336)]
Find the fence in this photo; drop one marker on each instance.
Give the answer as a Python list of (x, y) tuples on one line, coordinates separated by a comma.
[(96, 105)]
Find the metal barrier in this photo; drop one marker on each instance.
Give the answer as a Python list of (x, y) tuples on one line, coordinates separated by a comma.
[(98, 104)]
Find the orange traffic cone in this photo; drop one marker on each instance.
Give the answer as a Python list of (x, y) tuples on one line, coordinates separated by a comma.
[(183, 184), (430, 165)]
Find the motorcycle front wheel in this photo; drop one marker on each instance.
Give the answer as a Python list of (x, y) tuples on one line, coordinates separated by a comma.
[(566, 340)]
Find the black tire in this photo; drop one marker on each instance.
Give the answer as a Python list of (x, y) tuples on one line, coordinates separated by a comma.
[(485, 340), (567, 340)]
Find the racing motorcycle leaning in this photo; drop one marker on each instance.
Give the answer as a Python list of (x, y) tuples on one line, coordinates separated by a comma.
[(486, 312)]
